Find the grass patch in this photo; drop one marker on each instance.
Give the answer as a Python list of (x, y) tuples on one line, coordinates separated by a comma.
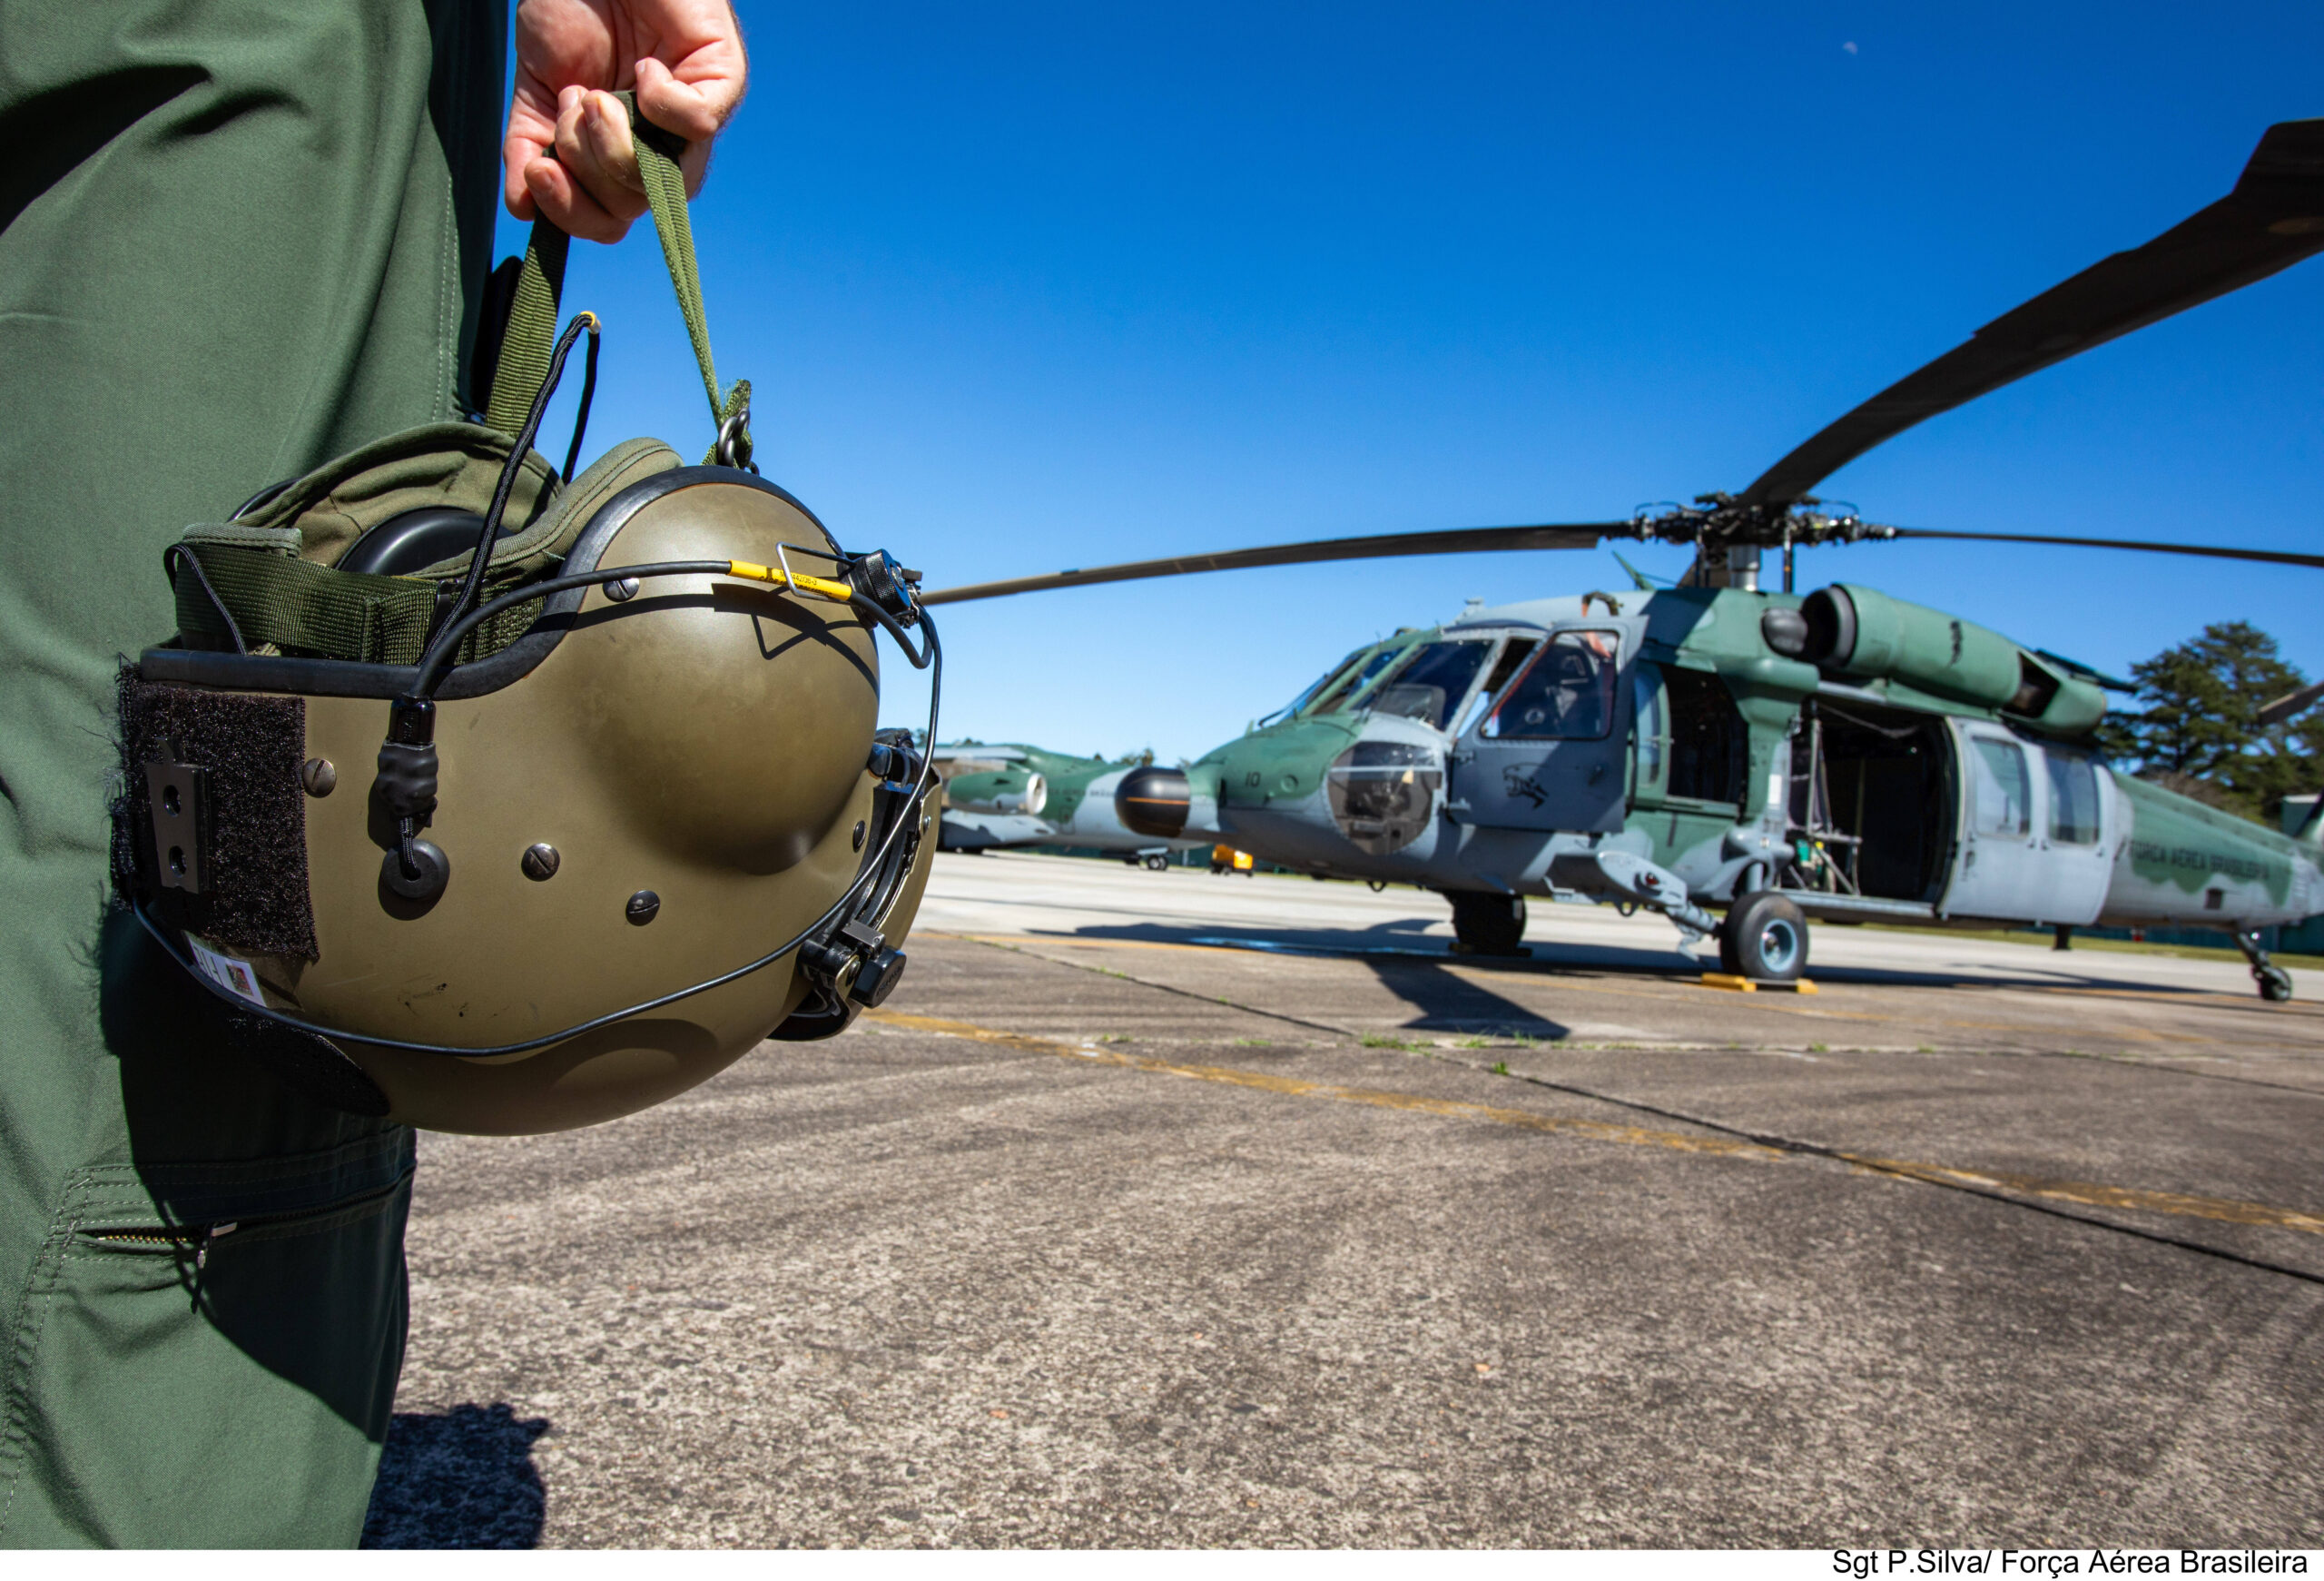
[(1500, 1067), (2224, 952), (1378, 1040)]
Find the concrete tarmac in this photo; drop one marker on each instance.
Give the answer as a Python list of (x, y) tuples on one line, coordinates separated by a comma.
[(1172, 1209)]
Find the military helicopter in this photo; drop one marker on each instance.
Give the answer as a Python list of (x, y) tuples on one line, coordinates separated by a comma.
[(1007, 795), (1845, 755)]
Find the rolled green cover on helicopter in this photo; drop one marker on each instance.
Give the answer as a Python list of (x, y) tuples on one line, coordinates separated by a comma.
[(1863, 633)]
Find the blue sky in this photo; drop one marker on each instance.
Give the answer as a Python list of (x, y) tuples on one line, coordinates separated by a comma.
[(1025, 287)]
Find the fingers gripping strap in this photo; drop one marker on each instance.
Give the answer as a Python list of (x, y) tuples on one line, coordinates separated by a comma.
[(527, 344), (531, 333)]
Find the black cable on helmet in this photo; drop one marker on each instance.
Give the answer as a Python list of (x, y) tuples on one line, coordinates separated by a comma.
[(482, 556)]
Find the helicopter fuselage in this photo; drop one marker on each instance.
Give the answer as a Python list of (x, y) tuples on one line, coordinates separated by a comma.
[(1893, 763)]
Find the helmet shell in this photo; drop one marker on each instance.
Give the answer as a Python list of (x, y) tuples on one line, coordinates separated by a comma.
[(695, 758)]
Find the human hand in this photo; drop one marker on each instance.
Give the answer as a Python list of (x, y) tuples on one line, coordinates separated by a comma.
[(568, 155)]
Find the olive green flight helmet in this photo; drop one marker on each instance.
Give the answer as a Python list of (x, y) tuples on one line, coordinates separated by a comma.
[(499, 800)]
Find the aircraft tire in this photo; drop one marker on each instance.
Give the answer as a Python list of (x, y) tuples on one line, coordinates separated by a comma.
[(1763, 937), (1489, 925), (1156, 863), (2275, 984)]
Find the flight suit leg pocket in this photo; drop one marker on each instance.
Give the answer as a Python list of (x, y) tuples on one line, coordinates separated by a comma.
[(220, 1380)]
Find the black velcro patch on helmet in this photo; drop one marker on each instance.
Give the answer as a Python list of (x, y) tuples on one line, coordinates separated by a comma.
[(249, 750)]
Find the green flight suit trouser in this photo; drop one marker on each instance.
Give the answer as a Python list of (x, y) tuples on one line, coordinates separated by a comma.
[(236, 239)]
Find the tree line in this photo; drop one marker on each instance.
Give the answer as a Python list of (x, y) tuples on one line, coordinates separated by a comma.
[(2196, 729)]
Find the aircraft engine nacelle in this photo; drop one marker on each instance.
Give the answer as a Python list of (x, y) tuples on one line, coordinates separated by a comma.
[(1002, 790), (1169, 803)]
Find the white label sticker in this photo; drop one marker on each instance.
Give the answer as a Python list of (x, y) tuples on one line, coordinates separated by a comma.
[(1777, 781), (234, 976)]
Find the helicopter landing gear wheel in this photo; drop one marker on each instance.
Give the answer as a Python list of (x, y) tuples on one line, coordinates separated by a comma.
[(1487, 924), (1157, 863), (1763, 937), (2275, 982)]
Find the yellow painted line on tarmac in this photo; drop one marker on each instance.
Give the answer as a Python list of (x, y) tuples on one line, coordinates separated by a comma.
[(2187, 997), (2082, 1193), (2087, 1194), (1487, 976), (1372, 1097), (1482, 976)]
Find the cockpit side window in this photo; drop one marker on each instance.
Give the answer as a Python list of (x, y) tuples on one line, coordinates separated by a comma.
[(1567, 693), (1433, 682)]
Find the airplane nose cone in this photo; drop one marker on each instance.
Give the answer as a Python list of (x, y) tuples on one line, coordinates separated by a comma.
[(1153, 802)]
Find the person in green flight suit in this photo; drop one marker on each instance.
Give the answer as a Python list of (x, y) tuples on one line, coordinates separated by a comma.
[(236, 239)]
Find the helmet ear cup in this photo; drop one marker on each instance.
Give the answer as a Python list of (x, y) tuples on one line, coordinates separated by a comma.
[(411, 542)]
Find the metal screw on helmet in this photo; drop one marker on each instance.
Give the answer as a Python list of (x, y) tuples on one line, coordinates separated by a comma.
[(859, 833), (319, 777), (643, 908), (623, 591), (539, 862)]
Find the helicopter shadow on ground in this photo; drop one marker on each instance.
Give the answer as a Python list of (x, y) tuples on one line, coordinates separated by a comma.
[(1407, 957), (1411, 964), (462, 1479)]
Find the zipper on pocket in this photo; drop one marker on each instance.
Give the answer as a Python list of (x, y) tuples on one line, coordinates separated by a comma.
[(193, 1238)]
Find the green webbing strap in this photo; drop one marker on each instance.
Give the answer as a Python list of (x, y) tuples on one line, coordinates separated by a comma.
[(658, 153), (304, 608), (531, 333)]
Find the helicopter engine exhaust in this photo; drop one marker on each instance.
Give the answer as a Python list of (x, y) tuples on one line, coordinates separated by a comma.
[(1154, 802)]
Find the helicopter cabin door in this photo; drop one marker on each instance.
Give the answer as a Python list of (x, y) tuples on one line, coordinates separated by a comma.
[(2035, 846), (1551, 751)]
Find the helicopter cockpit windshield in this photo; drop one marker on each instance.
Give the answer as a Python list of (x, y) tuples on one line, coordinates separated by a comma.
[(1433, 681), (1353, 679), (1298, 704)]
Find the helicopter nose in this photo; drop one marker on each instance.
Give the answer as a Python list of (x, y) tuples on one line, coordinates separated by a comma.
[(1154, 802)]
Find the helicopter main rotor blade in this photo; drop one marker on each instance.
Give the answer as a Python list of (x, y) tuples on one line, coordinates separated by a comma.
[(2291, 704), (2209, 551), (2272, 219), (1451, 540)]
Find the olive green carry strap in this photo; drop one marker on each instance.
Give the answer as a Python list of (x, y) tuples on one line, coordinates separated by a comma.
[(305, 607), (531, 334)]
